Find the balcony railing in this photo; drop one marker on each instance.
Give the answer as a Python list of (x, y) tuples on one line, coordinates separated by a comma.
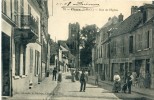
[(29, 22)]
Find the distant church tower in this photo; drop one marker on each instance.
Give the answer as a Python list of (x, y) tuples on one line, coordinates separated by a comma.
[(73, 41)]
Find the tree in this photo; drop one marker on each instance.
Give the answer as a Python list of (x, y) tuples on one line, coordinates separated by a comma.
[(87, 37)]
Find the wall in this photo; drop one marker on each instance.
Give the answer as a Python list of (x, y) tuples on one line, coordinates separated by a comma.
[(22, 82)]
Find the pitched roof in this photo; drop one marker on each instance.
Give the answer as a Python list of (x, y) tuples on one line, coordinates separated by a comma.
[(63, 43), (113, 20), (128, 24)]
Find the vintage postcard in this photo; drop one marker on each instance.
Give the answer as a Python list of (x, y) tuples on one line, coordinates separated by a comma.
[(77, 49)]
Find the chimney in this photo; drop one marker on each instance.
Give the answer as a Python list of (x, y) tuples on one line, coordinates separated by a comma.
[(109, 19), (134, 9), (120, 17)]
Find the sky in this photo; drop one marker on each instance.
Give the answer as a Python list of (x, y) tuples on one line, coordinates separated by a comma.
[(101, 10)]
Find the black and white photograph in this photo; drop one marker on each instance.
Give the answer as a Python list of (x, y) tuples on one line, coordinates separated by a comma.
[(77, 50)]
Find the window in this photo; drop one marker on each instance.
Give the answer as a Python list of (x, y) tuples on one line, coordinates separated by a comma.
[(29, 10), (150, 38), (115, 47), (139, 41), (4, 6), (131, 44), (121, 45), (21, 7), (17, 59), (16, 11)]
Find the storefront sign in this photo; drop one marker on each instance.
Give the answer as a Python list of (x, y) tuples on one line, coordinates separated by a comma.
[(120, 60)]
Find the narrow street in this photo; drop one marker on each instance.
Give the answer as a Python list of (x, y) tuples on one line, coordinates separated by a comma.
[(68, 90)]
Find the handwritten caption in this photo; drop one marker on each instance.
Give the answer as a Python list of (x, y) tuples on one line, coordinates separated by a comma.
[(83, 6)]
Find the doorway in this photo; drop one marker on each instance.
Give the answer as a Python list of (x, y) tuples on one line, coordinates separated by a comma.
[(5, 64)]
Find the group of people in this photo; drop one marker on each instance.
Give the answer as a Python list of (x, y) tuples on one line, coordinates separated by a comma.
[(117, 84), (127, 83), (131, 79), (82, 77)]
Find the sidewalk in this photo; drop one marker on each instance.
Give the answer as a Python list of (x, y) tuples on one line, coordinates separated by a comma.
[(38, 92), (142, 91)]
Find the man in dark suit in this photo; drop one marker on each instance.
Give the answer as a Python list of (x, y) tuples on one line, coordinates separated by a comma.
[(54, 74), (83, 80)]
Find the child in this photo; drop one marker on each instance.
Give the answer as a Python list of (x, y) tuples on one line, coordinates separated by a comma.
[(124, 87)]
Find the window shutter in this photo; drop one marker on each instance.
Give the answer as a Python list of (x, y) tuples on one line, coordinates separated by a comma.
[(31, 60), (39, 63), (150, 38)]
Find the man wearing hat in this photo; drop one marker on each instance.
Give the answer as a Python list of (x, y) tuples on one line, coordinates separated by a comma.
[(129, 82), (83, 80)]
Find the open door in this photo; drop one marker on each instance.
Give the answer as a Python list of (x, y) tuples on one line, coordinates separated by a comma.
[(5, 64)]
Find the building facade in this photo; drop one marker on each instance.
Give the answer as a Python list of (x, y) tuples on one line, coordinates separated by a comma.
[(44, 38), (102, 48), (21, 59), (63, 56), (130, 45)]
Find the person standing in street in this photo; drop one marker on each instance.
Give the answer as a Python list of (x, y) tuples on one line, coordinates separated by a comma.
[(96, 78), (59, 76), (129, 82), (117, 84), (83, 80), (54, 74), (73, 76), (147, 80)]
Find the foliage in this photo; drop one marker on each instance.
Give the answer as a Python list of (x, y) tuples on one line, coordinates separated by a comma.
[(87, 38)]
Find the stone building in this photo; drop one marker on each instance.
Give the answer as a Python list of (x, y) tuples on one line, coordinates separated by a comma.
[(21, 44), (63, 56), (130, 44), (44, 38), (73, 42), (101, 55)]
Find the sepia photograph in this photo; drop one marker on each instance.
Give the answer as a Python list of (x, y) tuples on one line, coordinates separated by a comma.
[(77, 50)]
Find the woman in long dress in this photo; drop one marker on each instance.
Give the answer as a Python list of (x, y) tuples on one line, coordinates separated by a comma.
[(73, 76), (59, 76), (117, 84)]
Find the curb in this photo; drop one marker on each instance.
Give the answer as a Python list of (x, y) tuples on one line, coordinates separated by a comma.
[(52, 93), (149, 96)]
